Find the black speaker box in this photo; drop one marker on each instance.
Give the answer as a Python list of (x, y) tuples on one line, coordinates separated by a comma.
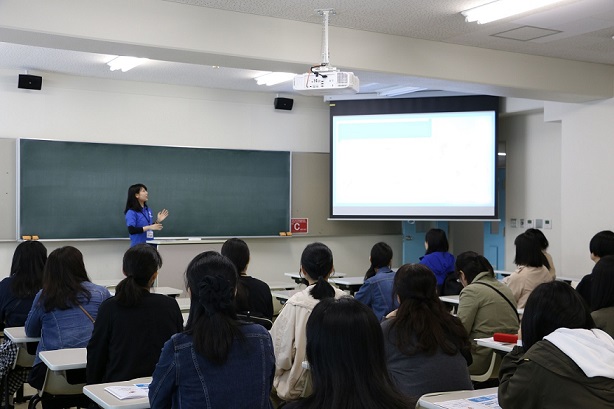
[(283, 103), (30, 82)]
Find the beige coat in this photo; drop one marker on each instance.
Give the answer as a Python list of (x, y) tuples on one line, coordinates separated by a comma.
[(524, 280), (289, 342), (483, 312)]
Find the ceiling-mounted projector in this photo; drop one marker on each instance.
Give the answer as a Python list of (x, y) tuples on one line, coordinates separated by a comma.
[(325, 79), (335, 82)]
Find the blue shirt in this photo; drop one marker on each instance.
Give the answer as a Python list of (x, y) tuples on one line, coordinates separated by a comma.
[(376, 292), (69, 328), (139, 219), (440, 263), (185, 379)]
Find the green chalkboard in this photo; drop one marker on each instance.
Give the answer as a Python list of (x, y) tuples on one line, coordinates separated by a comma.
[(74, 190)]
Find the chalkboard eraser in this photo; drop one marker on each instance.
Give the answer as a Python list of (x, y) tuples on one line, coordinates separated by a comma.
[(30, 237), (282, 233), (34, 237), (289, 233)]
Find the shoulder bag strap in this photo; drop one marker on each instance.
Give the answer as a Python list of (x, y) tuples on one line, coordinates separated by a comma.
[(504, 297), (88, 314)]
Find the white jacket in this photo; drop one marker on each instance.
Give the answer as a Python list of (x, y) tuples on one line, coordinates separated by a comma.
[(289, 342)]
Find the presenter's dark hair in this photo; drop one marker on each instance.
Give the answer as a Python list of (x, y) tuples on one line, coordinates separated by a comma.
[(602, 288), (140, 263), (29, 260), (537, 235), (381, 256), (437, 241), (212, 279), (529, 252), (422, 323), (345, 351), (317, 263), (237, 251), (602, 244), (132, 203), (63, 278), (472, 264), (552, 306)]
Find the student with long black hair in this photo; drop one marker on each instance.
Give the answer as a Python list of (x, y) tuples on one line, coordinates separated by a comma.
[(64, 310), (564, 361), (218, 361), (376, 291), (17, 293), (345, 351), (292, 381), (139, 218), (427, 348), (133, 326), (601, 245)]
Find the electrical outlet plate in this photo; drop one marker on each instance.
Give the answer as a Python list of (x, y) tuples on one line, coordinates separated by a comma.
[(513, 223), (529, 223), (521, 223), (547, 224), (539, 223)]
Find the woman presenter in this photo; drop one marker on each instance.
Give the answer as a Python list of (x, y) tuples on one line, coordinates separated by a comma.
[(139, 217)]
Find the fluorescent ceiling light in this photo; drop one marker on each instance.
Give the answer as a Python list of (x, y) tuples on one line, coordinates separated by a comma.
[(273, 78), (393, 92), (125, 63), (502, 8)]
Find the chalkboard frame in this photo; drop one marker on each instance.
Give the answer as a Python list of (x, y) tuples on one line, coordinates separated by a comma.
[(256, 185)]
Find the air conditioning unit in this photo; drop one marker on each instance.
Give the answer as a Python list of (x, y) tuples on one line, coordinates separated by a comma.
[(331, 82)]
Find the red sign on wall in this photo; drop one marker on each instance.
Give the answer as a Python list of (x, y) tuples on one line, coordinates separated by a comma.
[(299, 225)]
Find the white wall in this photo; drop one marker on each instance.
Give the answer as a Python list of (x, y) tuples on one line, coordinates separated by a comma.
[(533, 180), (87, 109)]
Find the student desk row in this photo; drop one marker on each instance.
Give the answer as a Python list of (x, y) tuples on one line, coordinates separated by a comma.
[(477, 399), (455, 300)]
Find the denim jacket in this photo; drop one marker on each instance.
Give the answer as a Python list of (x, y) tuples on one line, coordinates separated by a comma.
[(185, 379), (69, 328), (376, 292)]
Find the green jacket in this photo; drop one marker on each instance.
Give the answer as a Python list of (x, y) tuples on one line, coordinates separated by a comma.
[(483, 312), (545, 377)]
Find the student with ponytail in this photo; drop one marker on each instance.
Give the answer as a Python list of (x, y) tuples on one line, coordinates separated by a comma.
[(292, 381), (376, 292), (218, 361), (132, 327), (486, 306), (427, 348)]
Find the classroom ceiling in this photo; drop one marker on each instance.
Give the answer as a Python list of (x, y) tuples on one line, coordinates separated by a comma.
[(579, 30)]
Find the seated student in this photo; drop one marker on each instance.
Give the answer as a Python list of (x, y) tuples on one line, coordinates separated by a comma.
[(437, 258), (64, 311), (345, 351), (218, 362), (602, 296), (532, 269), (427, 348), (132, 327), (376, 292), (253, 296), (541, 239), (288, 332), (485, 306), (564, 361), (17, 293), (601, 245)]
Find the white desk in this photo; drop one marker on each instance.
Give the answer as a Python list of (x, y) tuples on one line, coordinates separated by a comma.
[(283, 295), (298, 278), (351, 284), (18, 335), (107, 401), (499, 346), (110, 283), (171, 292), (64, 359), (281, 285), (450, 299), (184, 303), (431, 400)]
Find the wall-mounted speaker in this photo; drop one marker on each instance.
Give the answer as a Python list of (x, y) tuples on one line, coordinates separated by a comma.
[(30, 82), (283, 103)]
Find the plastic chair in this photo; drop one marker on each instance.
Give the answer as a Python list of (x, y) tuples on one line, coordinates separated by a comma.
[(22, 360), (491, 372), (265, 322), (56, 386)]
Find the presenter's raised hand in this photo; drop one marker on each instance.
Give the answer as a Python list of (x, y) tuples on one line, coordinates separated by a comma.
[(155, 226), (162, 214)]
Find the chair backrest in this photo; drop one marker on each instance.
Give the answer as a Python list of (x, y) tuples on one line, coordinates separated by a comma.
[(23, 359), (491, 372), (56, 384), (265, 322)]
